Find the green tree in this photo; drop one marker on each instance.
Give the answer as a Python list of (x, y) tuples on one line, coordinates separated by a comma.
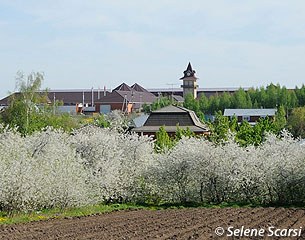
[(191, 103), (59, 121), (280, 120), (262, 97), (214, 104), (233, 125), (203, 104), (101, 121), (219, 128), (245, 134), (293, 100), (163, 141), (24, 106), (225, 101), (261, 128), (300, 94), (272, 96), (180, 132), (194, 105), (28, 109), (241, 99), (296, 122), (284, 98), (159, 103)]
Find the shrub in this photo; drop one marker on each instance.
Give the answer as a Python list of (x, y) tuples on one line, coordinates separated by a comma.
[(52, 168)]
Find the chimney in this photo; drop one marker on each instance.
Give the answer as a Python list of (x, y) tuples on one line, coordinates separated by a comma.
[(104, 91), (92, 97), (83, 98)]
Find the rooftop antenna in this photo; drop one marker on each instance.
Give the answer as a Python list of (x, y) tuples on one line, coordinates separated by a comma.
[(172, 87), (159, 96)]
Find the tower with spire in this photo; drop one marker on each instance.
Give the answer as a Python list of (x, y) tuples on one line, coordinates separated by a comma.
[(189, 82)]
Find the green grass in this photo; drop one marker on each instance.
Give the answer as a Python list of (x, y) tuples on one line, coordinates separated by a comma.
[(14, 218), (19, 217)]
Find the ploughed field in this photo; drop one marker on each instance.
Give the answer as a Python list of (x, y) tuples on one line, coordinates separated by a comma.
[(191, 223)]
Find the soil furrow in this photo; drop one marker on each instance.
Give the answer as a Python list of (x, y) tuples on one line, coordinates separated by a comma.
[(196, 223)]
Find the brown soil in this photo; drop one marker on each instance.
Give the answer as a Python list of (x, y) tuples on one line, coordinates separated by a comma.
[(163, 224)]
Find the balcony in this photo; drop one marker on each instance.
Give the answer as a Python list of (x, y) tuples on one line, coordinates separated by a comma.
[(189, 86)]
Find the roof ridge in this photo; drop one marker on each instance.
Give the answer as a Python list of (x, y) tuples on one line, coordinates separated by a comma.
[(137, 87), (123, 86)]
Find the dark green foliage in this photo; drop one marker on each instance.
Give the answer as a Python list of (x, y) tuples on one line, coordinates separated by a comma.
[(180, 132), (160, 103), (101, 121), (272, 96), (225, 101), (296, 122), (194, 105), (255, 135), (23, 108), (203, 103), (29, 111), (15, 115), (245, 134), (300, 95), (60, 121), (214, 104), (280, 119), (219, 128), (163, 141), (241, 99)]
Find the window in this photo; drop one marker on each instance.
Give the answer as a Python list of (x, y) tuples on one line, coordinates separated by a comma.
[(246, 118)]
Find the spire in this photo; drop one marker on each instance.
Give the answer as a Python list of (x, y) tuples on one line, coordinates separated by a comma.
[(189, 67), (189, 72)]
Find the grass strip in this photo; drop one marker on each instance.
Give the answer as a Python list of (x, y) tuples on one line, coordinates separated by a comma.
[(24, 217)]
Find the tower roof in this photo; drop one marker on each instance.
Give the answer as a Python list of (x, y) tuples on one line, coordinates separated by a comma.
[(189, 67), (123, 87), (138, 88), (189, 72)]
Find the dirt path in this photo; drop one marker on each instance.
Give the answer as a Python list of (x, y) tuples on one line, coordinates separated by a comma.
[(163, 224)]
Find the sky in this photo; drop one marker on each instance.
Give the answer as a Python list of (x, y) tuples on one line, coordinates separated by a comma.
[(81, 44)]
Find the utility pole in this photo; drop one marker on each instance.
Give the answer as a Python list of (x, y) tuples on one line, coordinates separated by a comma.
[(54, 98)]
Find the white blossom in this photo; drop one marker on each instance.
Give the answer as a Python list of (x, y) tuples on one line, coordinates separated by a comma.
[(52, 168)]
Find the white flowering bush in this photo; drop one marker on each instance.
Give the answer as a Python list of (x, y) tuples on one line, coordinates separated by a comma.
[(283, 162), (196, 170), (40, 171), (116, 161), (52, 168)]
